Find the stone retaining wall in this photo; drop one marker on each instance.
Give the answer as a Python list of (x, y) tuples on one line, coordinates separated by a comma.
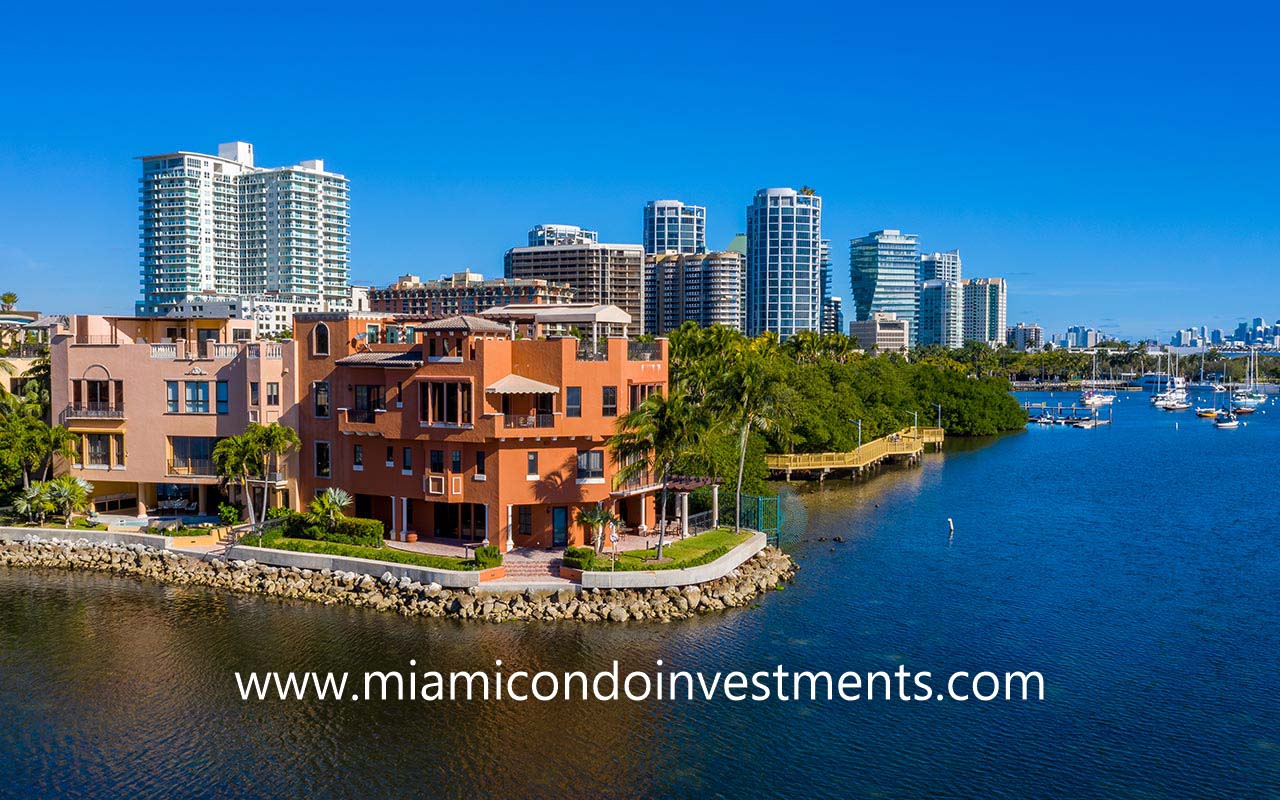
[(768, 569)]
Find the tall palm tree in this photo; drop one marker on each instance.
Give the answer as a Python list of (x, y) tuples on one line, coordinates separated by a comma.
[(7, 301), (751, 396), (238, 459), (651, 439), (273, 442), (59, 443)]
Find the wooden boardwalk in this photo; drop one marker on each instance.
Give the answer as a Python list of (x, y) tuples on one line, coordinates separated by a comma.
[(908, 443)]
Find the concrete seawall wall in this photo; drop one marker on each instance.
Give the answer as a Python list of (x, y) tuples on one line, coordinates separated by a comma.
[(662, 578)]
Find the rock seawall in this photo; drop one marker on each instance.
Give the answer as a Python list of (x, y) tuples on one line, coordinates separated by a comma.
[(767, 570)]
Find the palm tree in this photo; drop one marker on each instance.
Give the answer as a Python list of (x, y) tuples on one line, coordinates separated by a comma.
[(59, 442), (7, 301), (651, 439), (597, 517), (69, 495), (237, 459), (273, 441), (330, 505), (751, 396), (33, 503)]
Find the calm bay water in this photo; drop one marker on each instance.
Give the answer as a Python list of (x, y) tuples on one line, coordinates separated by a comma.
[(1136, 566)]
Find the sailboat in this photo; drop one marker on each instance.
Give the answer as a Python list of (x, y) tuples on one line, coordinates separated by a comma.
[(1226, 420), (1247, 400), (1091, 396), (1173, 398)]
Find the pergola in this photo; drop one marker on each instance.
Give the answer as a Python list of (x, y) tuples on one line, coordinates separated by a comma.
[(539, 316)]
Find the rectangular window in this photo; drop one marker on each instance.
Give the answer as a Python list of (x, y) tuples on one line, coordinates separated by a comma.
[(192, 455), (573, 401), (456, 461), (197, 397), (99, 453), (171, 396), (391, 456), (524, 525), (480, 456), (609, 401), (320, 398), (590, 465), (273, 394), (118, 439), (220, 396), (406, 459), (322, 460), (253, 393), (357, 456), (437, 461), (531, 470)]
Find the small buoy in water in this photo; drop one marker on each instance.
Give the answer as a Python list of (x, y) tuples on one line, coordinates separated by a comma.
[(952, 533)]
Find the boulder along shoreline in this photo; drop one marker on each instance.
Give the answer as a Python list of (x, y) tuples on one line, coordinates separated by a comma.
[(764, 572)]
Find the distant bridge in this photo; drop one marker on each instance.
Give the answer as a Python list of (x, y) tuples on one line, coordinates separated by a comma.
[(908, 444)]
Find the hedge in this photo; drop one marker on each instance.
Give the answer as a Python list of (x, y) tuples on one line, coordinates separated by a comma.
[(347, 530)]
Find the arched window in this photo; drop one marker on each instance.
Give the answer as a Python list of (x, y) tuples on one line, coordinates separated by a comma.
[(321, 342)]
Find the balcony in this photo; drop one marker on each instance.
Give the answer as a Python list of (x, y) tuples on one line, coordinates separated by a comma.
[(93, 411), (638, 484), (194, 467), (591, 354), (168, 352), (362, 416), (517, 421), (643, 351)]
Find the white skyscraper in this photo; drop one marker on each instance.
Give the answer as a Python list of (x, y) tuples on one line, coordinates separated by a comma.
[(986, 302), (219, 228), (941, 300), (670, 226), (784, 262), (553, 235)]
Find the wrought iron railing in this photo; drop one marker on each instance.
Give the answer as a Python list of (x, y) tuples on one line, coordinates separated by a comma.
[(528, 420)]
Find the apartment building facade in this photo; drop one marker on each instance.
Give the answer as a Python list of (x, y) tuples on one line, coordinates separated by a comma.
[(464, 292), (216, 227), (452, 429), (148, 398), (607, 274), (706, 288)]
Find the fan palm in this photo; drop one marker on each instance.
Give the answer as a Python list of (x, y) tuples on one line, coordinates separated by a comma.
[(330, 505)]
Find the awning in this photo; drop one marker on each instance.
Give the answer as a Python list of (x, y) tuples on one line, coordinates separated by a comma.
[(518, 384)]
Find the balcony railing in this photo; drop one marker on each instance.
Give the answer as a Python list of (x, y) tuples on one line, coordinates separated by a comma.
[(528, 420), (203, 467), (165, 351), (93, 411), (643, 482), (592, 354), (269, 350), (643, 351), (224, 350), (362, 416)]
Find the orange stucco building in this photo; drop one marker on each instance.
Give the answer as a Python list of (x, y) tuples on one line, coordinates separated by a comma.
[(456, 428)]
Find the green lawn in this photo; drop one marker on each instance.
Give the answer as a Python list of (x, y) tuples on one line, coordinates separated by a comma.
[(694, 551), (278, 542)]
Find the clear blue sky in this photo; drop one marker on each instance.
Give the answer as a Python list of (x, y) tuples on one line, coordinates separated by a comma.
[(1119, 165)]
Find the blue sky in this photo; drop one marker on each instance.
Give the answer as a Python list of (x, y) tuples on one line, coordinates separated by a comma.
[(1117, 163)]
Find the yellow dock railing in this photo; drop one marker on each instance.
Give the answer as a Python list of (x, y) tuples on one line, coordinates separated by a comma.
[(905, 442)]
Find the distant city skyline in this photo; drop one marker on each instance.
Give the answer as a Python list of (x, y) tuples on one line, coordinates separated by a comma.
[(1093, 181)]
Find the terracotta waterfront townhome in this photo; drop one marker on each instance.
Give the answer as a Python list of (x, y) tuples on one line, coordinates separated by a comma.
[(453, 428), (471, 428)]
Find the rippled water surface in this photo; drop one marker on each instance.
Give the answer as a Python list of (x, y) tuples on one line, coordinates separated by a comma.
[(1136, 566)]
